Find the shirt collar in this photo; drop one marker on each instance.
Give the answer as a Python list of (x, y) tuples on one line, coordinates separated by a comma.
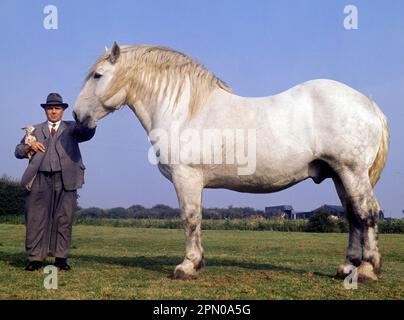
[(57, 124), (50, 124)]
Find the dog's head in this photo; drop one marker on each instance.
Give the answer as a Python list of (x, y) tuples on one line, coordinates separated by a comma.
[(29, 129)]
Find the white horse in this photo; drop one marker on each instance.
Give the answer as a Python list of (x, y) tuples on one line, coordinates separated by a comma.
[(319, 129)]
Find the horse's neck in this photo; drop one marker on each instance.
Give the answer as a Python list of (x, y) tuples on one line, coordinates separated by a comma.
[(162, 113), (165, 113), (143, 113)]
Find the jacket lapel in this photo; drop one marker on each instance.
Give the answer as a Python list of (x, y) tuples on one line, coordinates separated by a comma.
[(45, 130), (61, 128)]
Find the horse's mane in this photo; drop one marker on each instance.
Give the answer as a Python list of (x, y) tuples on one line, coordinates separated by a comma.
[(146, 68)]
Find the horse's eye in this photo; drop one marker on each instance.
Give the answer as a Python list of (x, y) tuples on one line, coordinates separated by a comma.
[(97, 75)]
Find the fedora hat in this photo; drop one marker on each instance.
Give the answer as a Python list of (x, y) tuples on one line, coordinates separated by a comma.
[(54, 99)]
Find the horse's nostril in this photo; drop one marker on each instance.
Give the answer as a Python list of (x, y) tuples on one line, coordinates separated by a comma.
[(74, 116)]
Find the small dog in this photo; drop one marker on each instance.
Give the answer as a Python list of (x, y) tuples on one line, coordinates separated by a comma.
[(29, 138)]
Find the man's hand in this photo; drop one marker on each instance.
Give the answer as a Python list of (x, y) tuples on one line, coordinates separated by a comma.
[(37, 146)]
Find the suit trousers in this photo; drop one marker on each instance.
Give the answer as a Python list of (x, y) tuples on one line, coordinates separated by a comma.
[(49, 213)]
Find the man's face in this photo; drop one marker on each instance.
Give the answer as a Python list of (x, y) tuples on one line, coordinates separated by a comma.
[(54, 113)]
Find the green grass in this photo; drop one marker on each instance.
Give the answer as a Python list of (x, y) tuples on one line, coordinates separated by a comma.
[(137, 263)]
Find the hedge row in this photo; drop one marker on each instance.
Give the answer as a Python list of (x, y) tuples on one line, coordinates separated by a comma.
[(12, 197), (385, 226), (233, 224)]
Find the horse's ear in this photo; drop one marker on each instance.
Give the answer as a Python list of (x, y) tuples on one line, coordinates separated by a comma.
[(115, 52)]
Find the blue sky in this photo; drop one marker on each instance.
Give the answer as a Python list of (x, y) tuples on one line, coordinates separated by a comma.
[(258, 47)]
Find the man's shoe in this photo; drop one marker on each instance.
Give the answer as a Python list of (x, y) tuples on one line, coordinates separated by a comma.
[(33, 265), (62, 264)]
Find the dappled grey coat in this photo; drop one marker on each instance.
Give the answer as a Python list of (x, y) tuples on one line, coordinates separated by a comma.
[(68, 136)]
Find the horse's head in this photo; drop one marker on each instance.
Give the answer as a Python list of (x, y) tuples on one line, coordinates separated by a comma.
[(98, 96)]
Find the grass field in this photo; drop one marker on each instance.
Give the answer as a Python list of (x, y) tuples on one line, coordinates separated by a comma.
[(136, 263)]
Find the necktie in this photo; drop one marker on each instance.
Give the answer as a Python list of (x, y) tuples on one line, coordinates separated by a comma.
[(53, 130)]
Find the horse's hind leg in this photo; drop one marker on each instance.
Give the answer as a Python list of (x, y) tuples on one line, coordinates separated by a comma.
[(189, 192), (354, 251), (362, 210)]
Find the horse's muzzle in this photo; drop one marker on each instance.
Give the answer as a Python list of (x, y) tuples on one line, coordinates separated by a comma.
[(84, 121), (75, 116)]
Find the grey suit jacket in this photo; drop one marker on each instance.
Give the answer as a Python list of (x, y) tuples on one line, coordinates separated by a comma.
[(68, 136)]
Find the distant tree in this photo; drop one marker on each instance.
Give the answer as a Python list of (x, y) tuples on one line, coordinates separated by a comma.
[(135, 210), (117, 213), (91, 213), (12, 196), (162, 211), (213, 214), (161, 207), (136, 207), (236, 212), (321, 221)]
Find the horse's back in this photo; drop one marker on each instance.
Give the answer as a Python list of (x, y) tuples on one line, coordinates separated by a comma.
[(346, 123), (318, 119)]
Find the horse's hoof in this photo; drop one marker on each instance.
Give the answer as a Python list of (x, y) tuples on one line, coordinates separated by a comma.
[(366, 273), (341, 272), (200, 266), (181, 275), (185, 271)]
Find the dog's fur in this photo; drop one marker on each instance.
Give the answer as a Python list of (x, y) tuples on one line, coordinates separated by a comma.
[(29, 138)]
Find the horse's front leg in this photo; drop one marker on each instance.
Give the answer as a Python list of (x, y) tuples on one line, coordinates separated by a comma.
[(189, 191)]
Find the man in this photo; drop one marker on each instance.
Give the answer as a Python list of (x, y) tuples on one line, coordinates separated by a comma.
[(54, 173)]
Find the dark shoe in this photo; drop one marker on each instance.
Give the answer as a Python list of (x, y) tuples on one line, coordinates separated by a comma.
[(62, 264), (33, 265)]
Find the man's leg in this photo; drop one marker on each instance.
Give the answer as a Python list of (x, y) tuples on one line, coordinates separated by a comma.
[(65, 205), (37, 216)]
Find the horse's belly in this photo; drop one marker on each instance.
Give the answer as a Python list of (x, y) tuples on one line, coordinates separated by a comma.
[(248, 188), (258, 182)]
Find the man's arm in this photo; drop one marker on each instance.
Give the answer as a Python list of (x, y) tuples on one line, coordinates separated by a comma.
[(21, 150), (82, 133)]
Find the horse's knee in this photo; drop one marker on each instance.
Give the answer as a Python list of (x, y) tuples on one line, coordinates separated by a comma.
[(363, 211), (192, 218)]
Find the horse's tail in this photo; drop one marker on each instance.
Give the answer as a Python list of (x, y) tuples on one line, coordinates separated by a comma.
[(381, 157)]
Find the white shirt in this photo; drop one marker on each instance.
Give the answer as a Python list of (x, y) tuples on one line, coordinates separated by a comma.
[(50, 125)]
